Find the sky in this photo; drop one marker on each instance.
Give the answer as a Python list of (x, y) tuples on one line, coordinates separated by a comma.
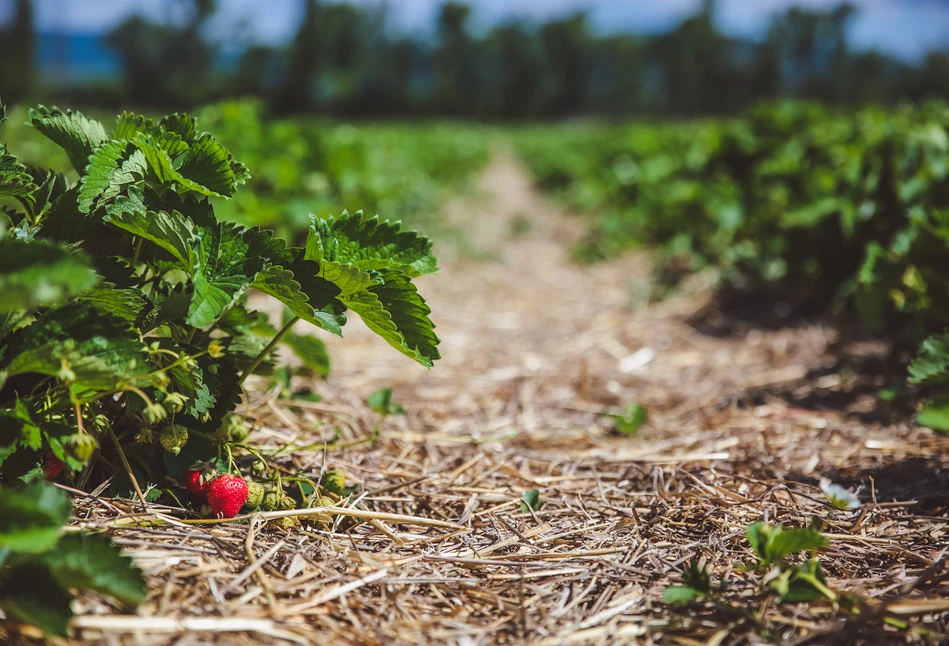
[(904, 28)]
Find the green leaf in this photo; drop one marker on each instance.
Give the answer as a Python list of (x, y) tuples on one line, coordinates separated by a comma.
[(784, 542), (312, 298), (347, 278), (33, 596), (31, 520), (112, 168), (801, 588), (208, 164), (631, 420), (531, 500), (124, 303), (311, 351), (381, 402), (395, 311), (53, 197), (757, 534), (98, 348), (697, 576), (130, 125), (931, 364), (192, 385), (935, 414), (11, 431), (223, 271), (681, 594), (205, 168), (21, 419), (162, 167), (88, 562), (171, 231), (372, 263), (14, 178), (75, 133), (368, 244), (39, 274), (184, 125)]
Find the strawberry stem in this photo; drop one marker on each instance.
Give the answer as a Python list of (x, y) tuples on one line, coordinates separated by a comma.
[(270, 346), (128, 468)]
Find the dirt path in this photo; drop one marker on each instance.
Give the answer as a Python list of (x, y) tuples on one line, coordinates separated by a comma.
[(517, 319), (536, 351)]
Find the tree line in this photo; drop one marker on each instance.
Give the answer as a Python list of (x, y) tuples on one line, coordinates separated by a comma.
[(344, 59)]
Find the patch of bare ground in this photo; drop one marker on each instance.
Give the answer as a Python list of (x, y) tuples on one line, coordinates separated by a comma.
[(537, 350)]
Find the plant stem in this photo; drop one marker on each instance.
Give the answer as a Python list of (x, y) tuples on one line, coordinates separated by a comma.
[(138, 250), (78, 406), (820, 587), (270, 346), (128, 468)]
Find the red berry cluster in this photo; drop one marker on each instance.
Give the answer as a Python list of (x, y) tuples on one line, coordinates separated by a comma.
[(226, 493)]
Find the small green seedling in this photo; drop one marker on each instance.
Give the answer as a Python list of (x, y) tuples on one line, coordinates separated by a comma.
[(531, 501), (382, 403), (631, 419), (698, 584), (772, 545)]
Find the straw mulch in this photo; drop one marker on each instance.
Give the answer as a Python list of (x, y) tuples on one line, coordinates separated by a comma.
[(537, 350)]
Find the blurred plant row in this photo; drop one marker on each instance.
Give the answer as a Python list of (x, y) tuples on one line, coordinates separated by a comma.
[(301, 166), (793, 203)]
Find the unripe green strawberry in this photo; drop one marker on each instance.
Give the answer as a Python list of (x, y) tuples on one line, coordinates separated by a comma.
[(255, 495), (173, 438), (286, 523), (323, 521), (227, 493), (271, 500), (81, 446), (160, 380), (287, 502), (238, 433), (334, 481)]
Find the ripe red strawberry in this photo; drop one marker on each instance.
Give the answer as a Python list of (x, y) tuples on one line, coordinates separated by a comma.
[(227, 493), (197, 481), (52, 467)]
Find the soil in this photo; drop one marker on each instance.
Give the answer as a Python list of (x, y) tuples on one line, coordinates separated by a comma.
[(538, 353)]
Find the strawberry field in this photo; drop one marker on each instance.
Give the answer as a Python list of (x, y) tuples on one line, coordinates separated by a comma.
[(271, 380)]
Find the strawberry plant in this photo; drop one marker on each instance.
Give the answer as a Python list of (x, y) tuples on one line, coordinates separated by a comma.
[(772, 545), (127, 326), (39, 565)]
